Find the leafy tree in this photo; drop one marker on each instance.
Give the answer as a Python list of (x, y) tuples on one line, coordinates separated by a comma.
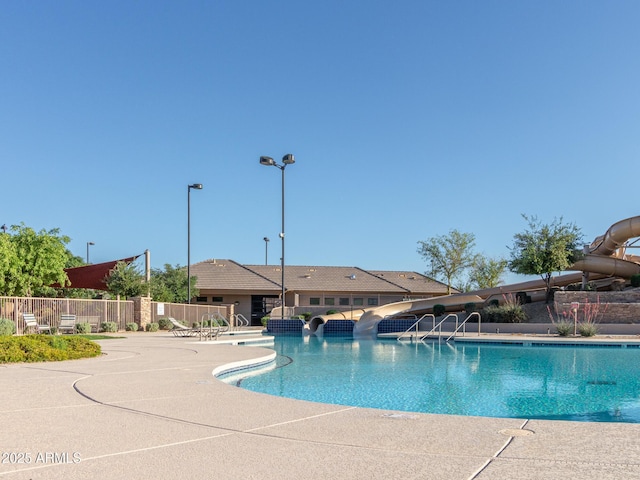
[(449, 256), (487, 272), (126, 280), (9, 265), (170, 285), (544, 249), (31, 260)]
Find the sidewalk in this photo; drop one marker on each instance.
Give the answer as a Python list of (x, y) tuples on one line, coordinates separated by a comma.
[(149, 408)]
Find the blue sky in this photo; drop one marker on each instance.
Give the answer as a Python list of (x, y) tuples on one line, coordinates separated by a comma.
[(407, 119)]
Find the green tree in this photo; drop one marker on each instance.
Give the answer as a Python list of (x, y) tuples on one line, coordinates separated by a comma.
[(33, 260), (487, 272), (170, 285), (9, 265), (126, 280), (545, 248), (449, 256)]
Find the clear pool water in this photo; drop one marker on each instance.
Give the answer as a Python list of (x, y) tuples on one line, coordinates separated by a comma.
[(562, 383)]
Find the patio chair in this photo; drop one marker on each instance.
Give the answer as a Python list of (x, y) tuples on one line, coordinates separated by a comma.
[(31, 322), (180, 330), (67, 323)]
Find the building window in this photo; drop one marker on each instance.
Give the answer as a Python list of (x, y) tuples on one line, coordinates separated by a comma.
[(330, 301), (314, 301), (201, 299), (358, 301), (372, 301), (217, 299), (344, 301)]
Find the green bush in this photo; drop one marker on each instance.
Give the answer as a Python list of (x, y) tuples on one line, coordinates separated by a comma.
[(306, 316), (470, 307), (564, 329), (152, 327), (42, 348), (510, 313), (587, 329), (131, 327), (110, 327), (7, 327), (331, 311), (83, 328), (165, 324), (635, 280), (439, 309), (264, 320)]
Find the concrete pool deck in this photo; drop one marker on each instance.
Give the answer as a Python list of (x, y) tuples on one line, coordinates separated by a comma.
[(150, 408)]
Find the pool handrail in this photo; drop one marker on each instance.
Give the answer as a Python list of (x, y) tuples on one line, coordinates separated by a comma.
[(439, 327), (472, 314), (416, 325)]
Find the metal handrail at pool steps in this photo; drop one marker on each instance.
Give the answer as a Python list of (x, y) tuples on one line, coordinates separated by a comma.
[(613, 341)]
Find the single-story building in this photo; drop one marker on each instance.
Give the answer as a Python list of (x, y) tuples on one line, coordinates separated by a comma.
[(254, 290)]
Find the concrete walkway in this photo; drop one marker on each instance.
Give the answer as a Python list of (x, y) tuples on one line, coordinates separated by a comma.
[(150, 408)]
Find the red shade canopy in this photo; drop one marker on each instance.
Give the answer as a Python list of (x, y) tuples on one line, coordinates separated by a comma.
[(92, 276)]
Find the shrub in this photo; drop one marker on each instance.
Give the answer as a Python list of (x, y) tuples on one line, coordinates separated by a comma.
[(469, 308), (110, 327), (42, 348), (504, 314), (587, 329), (306, 316), (152, 327), (131, 327), (83, 328), (331, 312), (7, 327), (165, 324), (635, 280), (439, 309), (564, 329), (264, 320)]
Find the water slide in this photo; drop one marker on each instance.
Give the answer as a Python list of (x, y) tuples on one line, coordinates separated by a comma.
[(605, 257)]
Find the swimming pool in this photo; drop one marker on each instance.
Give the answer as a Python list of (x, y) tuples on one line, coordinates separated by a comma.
[(544, 382)]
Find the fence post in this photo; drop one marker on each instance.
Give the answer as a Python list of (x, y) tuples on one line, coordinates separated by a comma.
[(142, 311)]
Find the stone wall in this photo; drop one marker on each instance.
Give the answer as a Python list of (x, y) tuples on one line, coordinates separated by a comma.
[(608, 307)]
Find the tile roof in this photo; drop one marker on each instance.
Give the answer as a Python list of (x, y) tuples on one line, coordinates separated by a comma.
[(229, 275)]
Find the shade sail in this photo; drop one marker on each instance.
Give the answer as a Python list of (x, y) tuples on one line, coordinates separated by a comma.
[(92, 276)]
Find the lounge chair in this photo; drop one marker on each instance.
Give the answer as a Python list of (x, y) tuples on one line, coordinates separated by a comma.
[(67, 323), (180, 330), (31, 322)]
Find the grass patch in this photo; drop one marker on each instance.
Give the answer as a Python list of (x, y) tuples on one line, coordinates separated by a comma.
[(97, 336), (46, 348)]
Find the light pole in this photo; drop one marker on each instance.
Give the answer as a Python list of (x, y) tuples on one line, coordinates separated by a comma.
[(266, 250), (288, 159), (89, 243), (197, 186)]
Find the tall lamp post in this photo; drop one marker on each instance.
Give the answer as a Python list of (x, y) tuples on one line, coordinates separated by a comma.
[(89, 243), (266, 250), (288, 159), (197, 186)]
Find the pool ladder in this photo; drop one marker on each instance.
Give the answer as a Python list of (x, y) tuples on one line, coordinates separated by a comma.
[(438, 327)]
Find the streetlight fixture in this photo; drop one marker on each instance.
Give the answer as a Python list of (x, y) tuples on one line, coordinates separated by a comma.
[(266, 250), (196, 186), (288, 159), (89, 243)]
